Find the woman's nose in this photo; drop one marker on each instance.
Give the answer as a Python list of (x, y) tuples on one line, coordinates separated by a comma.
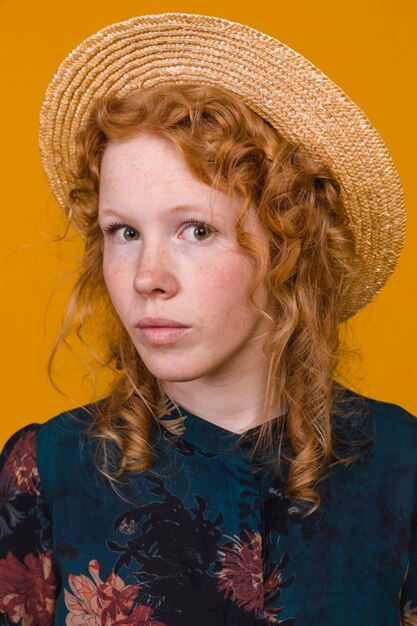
[(155, 273)]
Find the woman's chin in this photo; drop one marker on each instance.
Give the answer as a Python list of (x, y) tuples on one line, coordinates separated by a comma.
[(175, 373)]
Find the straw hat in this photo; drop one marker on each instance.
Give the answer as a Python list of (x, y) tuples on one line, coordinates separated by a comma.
[(283, 87)]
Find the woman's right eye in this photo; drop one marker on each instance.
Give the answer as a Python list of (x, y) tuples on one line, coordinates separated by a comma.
[(112, 228), (130, 234)]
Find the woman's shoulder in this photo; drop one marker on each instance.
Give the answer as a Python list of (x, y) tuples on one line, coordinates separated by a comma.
[(63, 427), (67, 427), (50, 450), (389, 426)]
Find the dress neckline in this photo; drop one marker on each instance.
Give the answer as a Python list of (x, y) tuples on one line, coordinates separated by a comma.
[(205, 434)]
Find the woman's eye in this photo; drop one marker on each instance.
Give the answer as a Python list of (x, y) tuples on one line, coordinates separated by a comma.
[(130, 234), (199, 230)]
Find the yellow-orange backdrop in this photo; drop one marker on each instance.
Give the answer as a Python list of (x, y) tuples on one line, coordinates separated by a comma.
[(368, 48)]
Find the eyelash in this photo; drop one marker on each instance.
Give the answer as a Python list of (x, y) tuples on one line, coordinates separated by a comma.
[(111, 228)]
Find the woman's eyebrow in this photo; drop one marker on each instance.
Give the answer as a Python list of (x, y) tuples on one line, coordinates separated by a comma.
[(188, 207)]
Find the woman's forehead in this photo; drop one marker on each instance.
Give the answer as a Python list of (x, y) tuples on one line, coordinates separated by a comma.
[(147, 169)]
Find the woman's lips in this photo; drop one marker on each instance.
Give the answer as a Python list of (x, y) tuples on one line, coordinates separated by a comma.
[(161, 335)]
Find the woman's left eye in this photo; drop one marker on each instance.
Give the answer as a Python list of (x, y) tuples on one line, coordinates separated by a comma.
[(201, 231)]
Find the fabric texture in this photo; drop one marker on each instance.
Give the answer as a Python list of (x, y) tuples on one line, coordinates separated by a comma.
[(207, 536)]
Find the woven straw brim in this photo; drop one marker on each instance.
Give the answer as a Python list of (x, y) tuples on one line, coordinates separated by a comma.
[(279, 84)]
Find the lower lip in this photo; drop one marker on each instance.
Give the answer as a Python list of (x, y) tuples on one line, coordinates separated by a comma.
[(161, 335)]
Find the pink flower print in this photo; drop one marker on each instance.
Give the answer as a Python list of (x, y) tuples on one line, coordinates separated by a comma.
[(241, 575), (21, 467), (409, 615), (28, 590), (241, 578), (104, 603)]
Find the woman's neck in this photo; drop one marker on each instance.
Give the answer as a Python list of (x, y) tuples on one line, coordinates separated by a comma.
[(231, 401)]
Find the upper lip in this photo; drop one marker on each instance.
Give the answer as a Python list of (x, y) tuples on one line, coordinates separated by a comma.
[(158, 321)]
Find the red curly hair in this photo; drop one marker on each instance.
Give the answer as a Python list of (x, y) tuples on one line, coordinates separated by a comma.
[(309, 270)]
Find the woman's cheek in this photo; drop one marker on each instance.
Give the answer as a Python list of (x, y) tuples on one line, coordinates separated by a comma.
[(115, 277)]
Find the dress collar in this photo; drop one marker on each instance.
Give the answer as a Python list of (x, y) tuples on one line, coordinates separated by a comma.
[(206, 435)]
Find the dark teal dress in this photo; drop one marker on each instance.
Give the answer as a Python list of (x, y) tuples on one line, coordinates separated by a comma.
[(207, 536)]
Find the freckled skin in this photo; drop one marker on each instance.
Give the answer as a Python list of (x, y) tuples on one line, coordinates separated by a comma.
[(165, 270)]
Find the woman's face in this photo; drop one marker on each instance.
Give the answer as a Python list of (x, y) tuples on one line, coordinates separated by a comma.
[(157, 265)]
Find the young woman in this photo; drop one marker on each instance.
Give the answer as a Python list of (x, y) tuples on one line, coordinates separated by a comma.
[(235, 206)]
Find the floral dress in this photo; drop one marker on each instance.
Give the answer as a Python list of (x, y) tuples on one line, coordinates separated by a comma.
[(207, 536)]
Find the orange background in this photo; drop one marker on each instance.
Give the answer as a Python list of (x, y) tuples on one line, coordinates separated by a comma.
[(368, 47)]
